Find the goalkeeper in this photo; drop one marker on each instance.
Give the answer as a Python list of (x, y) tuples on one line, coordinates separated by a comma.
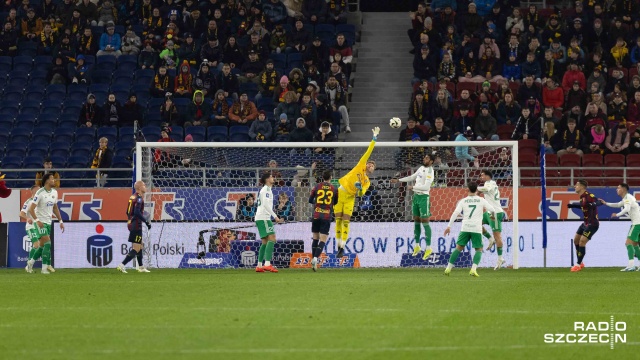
[(355, 183)]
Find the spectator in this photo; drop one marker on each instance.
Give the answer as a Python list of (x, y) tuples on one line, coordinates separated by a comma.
[(112, 111), (515, 20), (552, 95), (79, 73), (343, 48), (527, 126), (162, 157), (267, 80), (110, 42), (617, 141), (289, 106), (534, 106), (284, 210), (307, 115), (8, 40), (634, 87), (508, 110), (31, 25), (439, 132), (550, 138), (198, 112), (301, 133), (148, 57), (48, 39), (90, 114), (633, 111), (549, 116), (228, 83), (272, 167), (314, 11), (58, 74), (336, 71), (572, 75), (419, 109), (598, 79), (576, 97), (511, 69), (635, 142), (620, 53), (102, 160), (571, 140), (299, 37), (107, 13), (337, 98), (47, 165), (247, 209), (531, 67), (220, 107), (258, 29), (212, 52), (424, 66), (132, 112), (232, 54), (446, 69), (550, 66), (486, 126), (460, 123), (275, 11), (464, 154), (527, 90), (256, 44), (464, 101), (131, 43), (278, 41), (205, 80), (282, 89), (183, 81), (324, 135), (251, 69), (468, 66), (595, 140), (243, 111), (337, 11), (282, 129), (168, 56), (617, 110), (169, 112), (442, 107), (261, 130), (489, 66)]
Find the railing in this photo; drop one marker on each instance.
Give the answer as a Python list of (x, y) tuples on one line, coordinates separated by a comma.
[(117, 177)]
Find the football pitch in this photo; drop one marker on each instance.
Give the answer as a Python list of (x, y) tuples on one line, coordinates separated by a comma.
[(298, 314)]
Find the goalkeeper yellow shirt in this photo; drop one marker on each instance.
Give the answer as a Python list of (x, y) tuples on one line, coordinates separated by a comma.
[(358, 173)]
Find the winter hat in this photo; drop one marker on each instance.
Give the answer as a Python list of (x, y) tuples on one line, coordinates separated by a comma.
[(486, 83), (262, 112), (188, 138), (301, 120), (80, 57), (415, 137), (283, 117), (284, 79), (220, 91)]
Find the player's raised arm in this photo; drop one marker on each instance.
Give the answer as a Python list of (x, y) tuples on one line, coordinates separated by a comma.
[(372, 144)]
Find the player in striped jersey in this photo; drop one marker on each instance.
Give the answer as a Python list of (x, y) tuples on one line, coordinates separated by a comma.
[(32, 232), (492, 195), (323, 197), (629, 206), (421, 204), (472, 208)]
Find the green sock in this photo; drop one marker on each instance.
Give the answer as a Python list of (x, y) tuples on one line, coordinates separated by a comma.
[(261, 254), (268, 255), (454, 256), (637, 249), (499, 251), (486, 234), (37, 254), (427, 232), (476, 257), (630, 251), (46, 254), (32, 252), (416, 232)]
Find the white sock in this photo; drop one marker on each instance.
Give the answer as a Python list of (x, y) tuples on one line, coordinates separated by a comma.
[(474, 267), (31, 261), (500, 257), (631, 263), (267, 263), (449, 266), (428, 247), (315, 258)]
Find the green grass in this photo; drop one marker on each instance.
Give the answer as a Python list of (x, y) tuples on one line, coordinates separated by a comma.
[(341, 314)]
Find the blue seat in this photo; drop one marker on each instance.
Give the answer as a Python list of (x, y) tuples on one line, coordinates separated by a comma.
[(349, 32), (123, 78), (125, 133), (151, 133), (217, 133), (64, 131), (59, 148), (250, 88), (22, 63), (57, 88), (28, 49), (101, 76), (123, 59), (144, 73), (11, 162), (120, 88), (31, 160), (76, 98), (77, 89), (79, 160), (239, 133), (58, 161), (56, 96), (72, 110), (6, 123), (123, 148), (94, 88), (38, 145), (47, 117), (16, 147), (9, 110), (279, 60), (326, 32), (199, 133), (32, 94), (12, 97), (67, 120), (38, 79), (294, 60), (86, 132), (110, 133), (25, 121), (52, 103), (90, 59), (43, 60), (106, 63), (34, 111), (6, 63), (138, 88)]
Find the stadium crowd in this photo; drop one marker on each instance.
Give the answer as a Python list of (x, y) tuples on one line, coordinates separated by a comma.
[(490, 70)]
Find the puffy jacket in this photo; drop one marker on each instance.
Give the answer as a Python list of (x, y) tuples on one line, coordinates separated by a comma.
[(114, 40), (261, 127)]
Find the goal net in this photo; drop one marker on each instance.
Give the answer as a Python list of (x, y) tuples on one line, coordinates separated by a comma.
[(201, 199)]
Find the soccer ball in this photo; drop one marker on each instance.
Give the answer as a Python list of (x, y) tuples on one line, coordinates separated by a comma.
[(395, 122)]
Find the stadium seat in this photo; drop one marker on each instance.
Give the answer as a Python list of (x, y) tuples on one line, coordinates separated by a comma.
[(294, 60), (58, 161), (84, 134), (9, 110), (592, 165), (25, 121), (81, 150), (125, 133), (12, 96), (121, 88), (198, 133), (144, 73), (110, 133), (217, 133), (123, 148), (633, 169), (250, 88), (59, 148), (569, 162), (471, 87), (56, 96), (11, 162), (349, 32), (34, 93), (31, 160), (612, 176), (239, 134), (68, 121), (43, 130), (279, 60), (122, 78), (326, 32), (79, 160), (106, 63), (77, 89), (6, 63), (22, 63), (28, 49), (528, 146), (17, 148), (101, 76)]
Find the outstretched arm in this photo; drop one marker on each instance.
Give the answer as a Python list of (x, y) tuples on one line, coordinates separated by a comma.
[(367, 154)]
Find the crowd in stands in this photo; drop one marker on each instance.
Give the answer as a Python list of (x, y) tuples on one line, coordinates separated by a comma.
[(215, 70), (490, 70)]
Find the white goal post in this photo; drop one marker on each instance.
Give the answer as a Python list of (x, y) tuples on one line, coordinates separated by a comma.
[(200, 193)]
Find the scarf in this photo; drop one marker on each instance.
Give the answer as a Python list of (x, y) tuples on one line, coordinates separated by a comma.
[(417, 110), (184, 80), (97, 158), (269, 79), (550, 65), (90, 112), (221, 107), (161, 83), (597, 138), (242, 110), (577, 140), (47, 41), (86, 42)]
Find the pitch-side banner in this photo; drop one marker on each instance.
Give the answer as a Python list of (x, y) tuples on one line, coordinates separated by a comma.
[(87, 245)]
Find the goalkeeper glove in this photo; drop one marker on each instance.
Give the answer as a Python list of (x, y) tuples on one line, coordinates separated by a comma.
[(376, 131), (148, 226), (358, 185)]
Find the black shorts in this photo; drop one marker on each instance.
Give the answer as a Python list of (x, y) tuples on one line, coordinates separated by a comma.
[(587, 230), (320, 226), (135, 236)]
